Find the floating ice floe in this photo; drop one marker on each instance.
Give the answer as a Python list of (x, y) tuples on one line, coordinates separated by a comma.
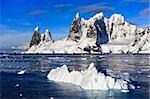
[(89, 79), (16, 85), (21, 72), (84, 58)]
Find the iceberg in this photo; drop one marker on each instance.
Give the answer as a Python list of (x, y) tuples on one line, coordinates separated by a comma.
[(89, 79)]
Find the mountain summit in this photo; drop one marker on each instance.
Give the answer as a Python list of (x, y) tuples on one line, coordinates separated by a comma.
[(97, 35), (36, 37)]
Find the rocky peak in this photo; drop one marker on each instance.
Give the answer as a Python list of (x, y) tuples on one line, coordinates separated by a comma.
[(116, 19), (92, 28), (97, 17), (118, 28), (47, 36), (75, 30), (36, 38), (92, 23)]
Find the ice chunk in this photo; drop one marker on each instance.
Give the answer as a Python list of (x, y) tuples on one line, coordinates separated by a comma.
[(84, 58), (89, 79), (16, 85), (21, 72)]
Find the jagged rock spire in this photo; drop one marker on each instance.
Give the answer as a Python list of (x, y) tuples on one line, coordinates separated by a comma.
[(75, 30), (77, 15), (48, 36), (36, 38)]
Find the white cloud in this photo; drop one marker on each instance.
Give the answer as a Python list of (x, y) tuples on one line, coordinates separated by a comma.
[(143, 18), (139, 1), (38, 12), (145, 12), (11, 37), (94, 8), (59, 6)]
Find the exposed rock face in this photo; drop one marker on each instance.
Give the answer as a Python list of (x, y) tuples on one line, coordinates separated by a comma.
[(102, 36), (75, 30), (92, 28), (96, 26), (36, 38), (91, 32)]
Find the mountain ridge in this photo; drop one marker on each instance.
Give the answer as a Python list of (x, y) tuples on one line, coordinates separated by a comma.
[(98, 34)]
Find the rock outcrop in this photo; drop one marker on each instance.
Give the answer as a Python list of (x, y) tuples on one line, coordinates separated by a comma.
[(36, 38), (75, 30)]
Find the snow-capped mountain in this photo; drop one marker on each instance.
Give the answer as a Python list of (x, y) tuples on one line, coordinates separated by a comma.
[(141, 43), (44, 41), (36, 37), (97, 35)]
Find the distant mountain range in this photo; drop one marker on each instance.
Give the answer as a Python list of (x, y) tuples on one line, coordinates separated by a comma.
[(95, 35)]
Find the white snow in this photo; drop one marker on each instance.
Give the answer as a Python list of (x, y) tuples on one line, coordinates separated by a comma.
[(89, 79), (36, 29), (48, 36), (77, 15), (141, 44), (97, 16), (42, 35)]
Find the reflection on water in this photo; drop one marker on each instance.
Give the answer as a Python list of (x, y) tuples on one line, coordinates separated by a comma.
[(34, 83)]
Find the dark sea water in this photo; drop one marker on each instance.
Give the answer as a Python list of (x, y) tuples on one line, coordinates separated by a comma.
[(33, 84)]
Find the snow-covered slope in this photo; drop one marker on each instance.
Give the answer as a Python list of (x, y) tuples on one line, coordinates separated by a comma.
[(89, 79), (141, 43), (98, 35)]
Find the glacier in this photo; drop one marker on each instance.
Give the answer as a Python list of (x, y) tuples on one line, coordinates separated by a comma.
[(89, 79), (98, 34)]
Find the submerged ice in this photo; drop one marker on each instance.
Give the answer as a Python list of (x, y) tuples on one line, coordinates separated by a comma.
[(89, 79)]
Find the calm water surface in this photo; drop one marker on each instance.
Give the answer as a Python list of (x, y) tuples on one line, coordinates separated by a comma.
[(33, 84)]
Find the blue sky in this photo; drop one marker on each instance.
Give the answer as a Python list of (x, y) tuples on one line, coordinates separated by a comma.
[(18, 18)]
